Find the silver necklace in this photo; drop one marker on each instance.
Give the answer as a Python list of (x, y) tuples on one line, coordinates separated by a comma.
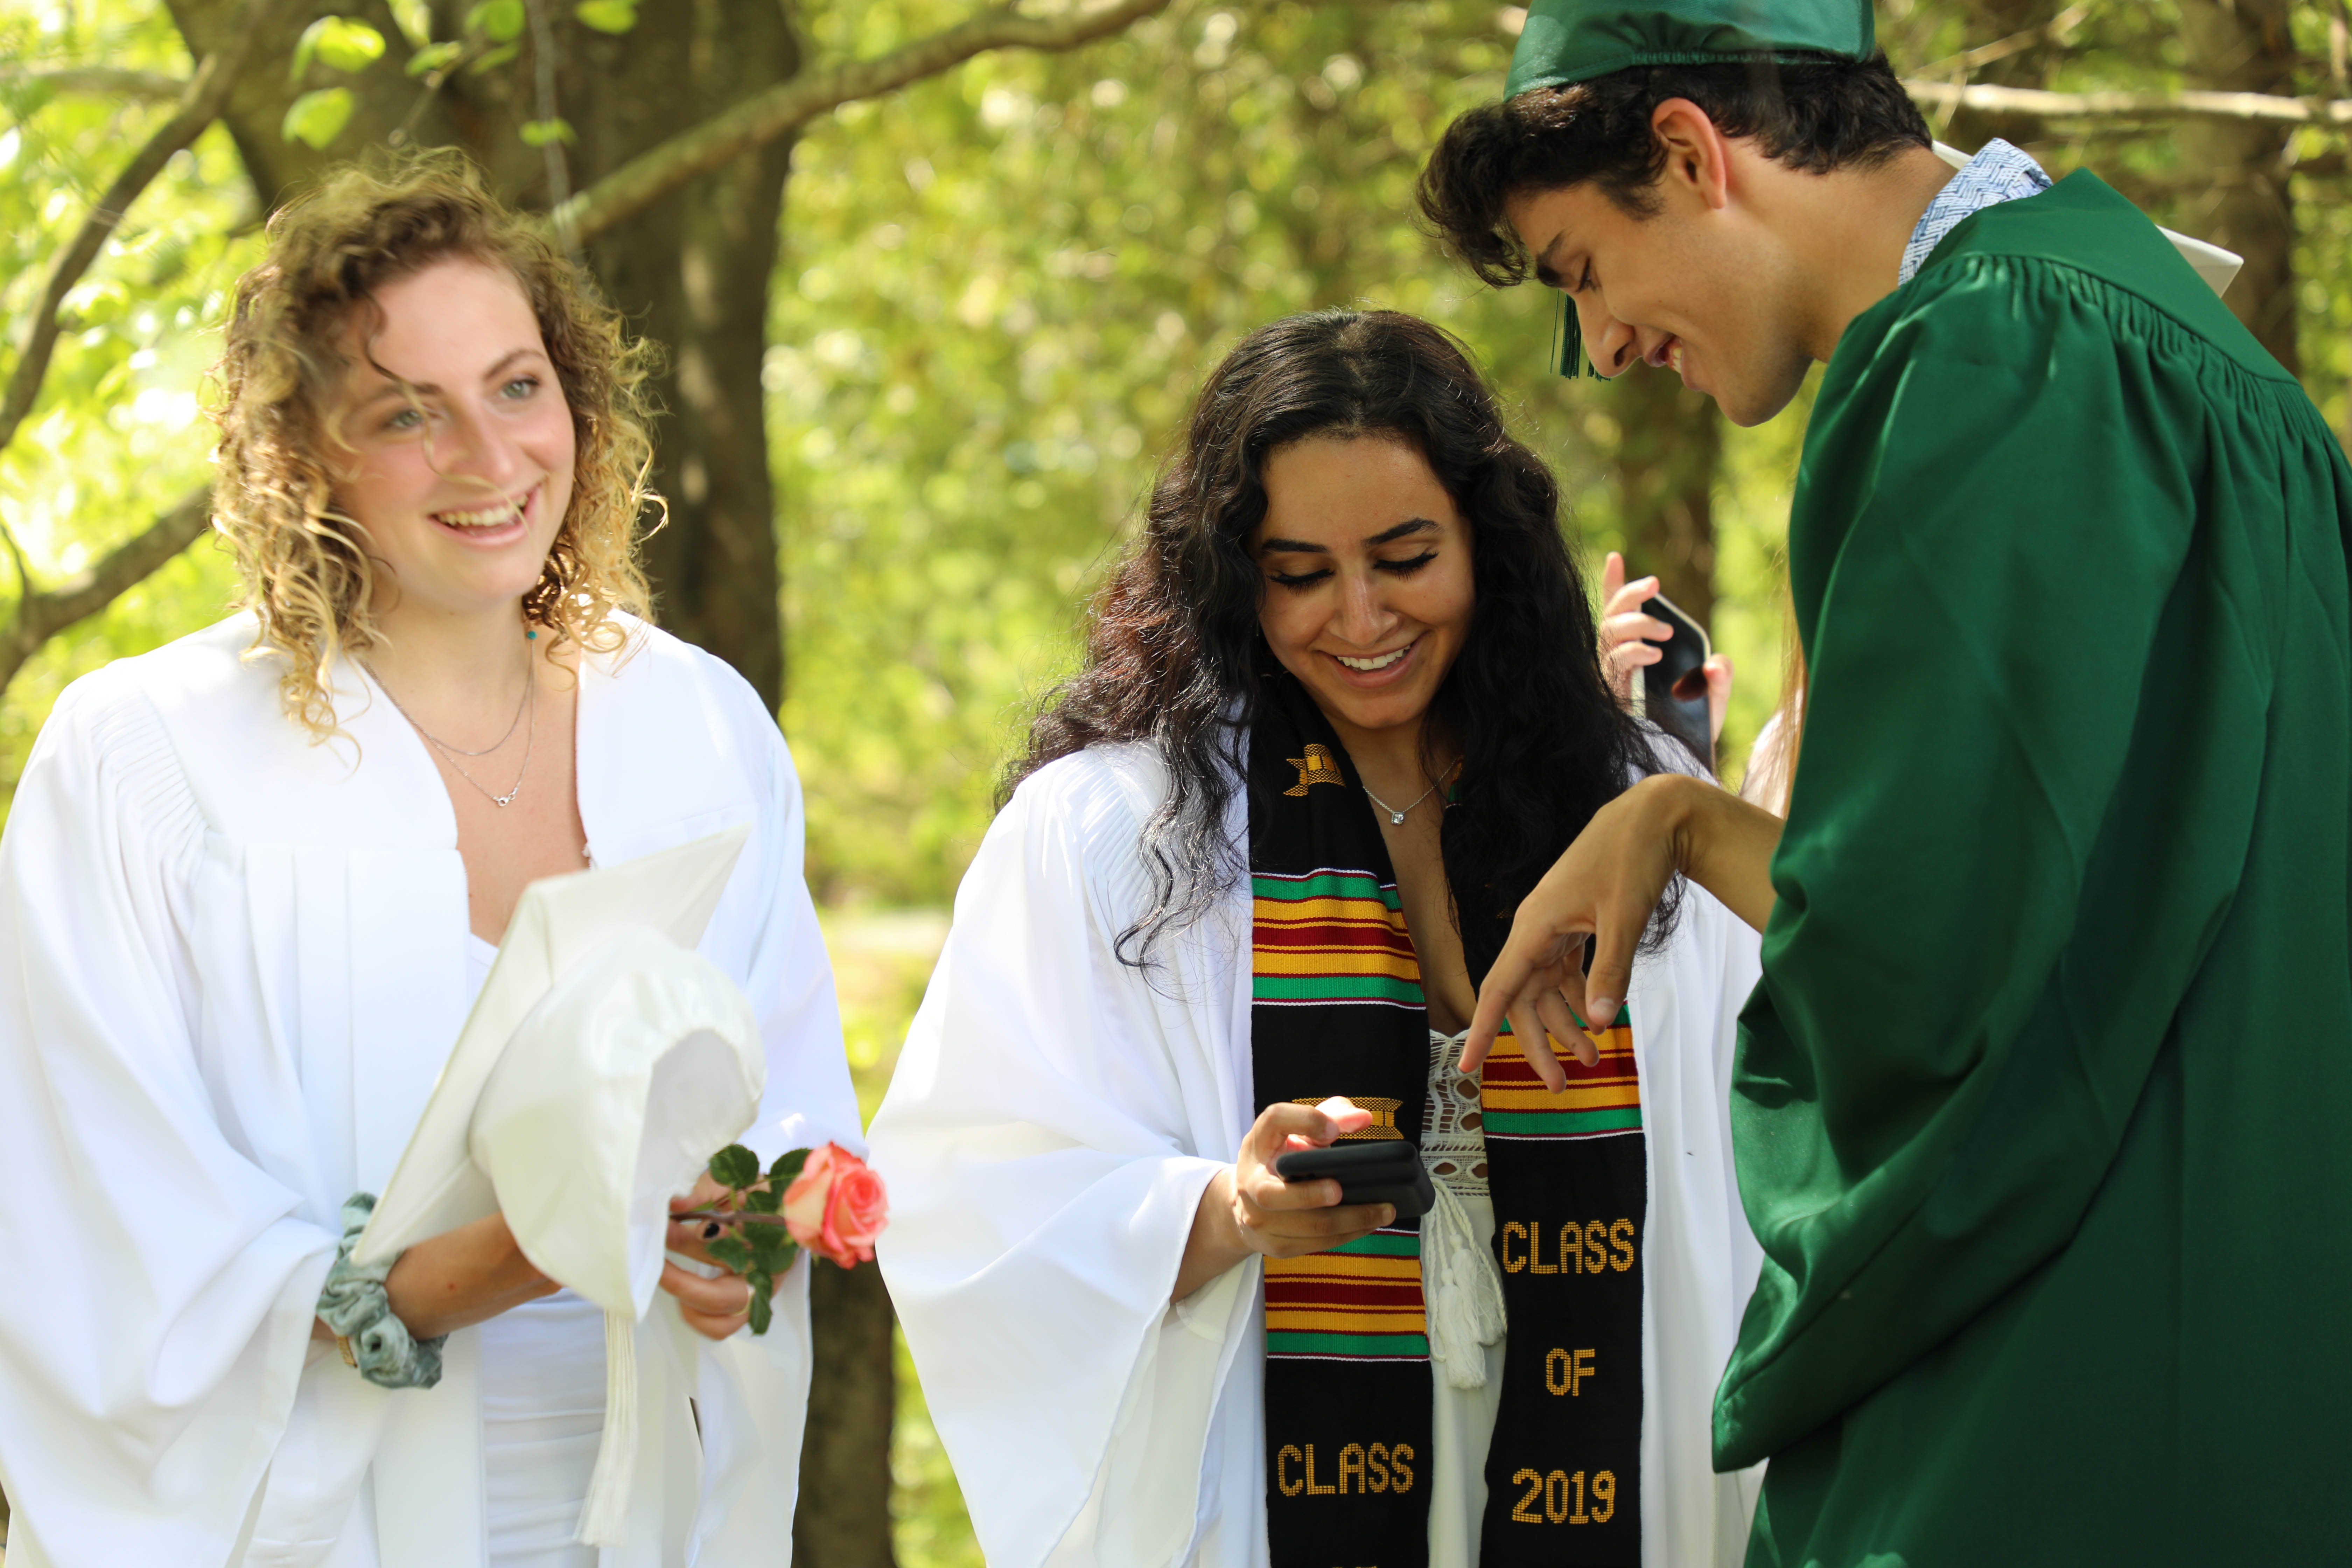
[(530, 689), (1396, 816), (530, 736)]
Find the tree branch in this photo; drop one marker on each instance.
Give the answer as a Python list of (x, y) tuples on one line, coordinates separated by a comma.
[(40, 615), (2037, 104), (104, 81), (789, 105), (207, 92), (2057, 30)]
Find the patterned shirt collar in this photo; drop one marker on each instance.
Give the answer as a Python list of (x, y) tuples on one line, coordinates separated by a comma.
[(1998, 174)]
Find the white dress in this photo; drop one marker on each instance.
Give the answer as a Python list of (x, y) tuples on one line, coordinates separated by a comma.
[(238, 960), (1053, 1120), (542, 1409)]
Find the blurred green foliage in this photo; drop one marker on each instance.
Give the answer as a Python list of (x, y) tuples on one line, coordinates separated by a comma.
[(120, 435)]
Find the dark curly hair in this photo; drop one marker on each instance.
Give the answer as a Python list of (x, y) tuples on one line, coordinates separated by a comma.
[(1817, 114), (1175, 656)]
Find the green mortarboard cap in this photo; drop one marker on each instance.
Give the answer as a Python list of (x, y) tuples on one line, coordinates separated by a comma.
[(1575, 40)]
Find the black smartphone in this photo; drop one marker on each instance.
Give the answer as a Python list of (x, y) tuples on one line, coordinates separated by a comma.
[(1673, 692), (1369, 1171)]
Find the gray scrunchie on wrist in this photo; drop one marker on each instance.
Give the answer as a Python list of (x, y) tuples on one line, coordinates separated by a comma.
[(354, 1306)]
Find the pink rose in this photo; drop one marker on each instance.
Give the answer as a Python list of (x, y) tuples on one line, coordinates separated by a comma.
[(836, 1206)]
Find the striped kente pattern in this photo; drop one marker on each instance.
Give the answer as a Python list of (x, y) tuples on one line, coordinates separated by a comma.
[(1357, 1302), (1602, 1098), (1331, 936)]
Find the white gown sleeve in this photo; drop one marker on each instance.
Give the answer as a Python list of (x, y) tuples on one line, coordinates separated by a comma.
[(159, 1295), (1053, 1120), (751, 1391)]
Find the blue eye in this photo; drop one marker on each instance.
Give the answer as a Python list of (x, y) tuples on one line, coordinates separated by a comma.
[(529, 383), (405, 419)]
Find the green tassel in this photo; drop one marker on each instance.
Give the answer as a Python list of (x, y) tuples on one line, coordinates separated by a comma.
[(1567, 355)]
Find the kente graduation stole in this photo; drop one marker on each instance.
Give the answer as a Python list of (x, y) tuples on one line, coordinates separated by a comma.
[(1337, 1008)]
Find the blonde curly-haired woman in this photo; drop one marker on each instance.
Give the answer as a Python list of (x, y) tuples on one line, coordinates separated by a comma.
[(250, 883)]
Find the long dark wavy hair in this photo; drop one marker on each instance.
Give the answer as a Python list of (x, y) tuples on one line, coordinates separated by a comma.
[(1175, 657)]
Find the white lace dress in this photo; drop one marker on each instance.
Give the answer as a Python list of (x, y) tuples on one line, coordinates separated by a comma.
[(1455, 1253)]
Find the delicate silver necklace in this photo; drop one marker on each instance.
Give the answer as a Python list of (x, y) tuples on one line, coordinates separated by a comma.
[(1396, 816), (529, 705)]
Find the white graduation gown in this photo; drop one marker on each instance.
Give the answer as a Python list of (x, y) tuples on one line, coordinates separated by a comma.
[(237, 964), (1053, 1120)]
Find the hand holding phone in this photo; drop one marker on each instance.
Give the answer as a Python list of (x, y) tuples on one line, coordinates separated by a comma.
[(1370, 1171)]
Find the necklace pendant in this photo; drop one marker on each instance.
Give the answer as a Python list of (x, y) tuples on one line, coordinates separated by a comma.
[(1396, 819), (503, 801)]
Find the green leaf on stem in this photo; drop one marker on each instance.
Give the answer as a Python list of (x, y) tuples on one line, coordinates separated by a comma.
[(787, 1166), (763, 1310), (434, 56), (540, 132), (501, 20), (773, 1247), (493, 59), (316, 118), (730, 1250), (338, 42), (607, 15), (768, 1199), (735, 1166)]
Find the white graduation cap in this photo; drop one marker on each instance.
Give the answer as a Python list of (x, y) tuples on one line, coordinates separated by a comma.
[(603, 1065), (2213, 264)]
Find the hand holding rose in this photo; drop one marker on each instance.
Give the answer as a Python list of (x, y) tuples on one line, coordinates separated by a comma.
[(826, 1200)]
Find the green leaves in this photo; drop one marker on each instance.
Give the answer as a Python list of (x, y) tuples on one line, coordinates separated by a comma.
[(501, 21), (435, 58), (540, 132), (607, 15), (735, 1166), (316, 118), (759, 1249), (338, 42)]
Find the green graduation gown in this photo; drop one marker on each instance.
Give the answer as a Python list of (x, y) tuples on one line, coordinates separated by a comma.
[(2043, 1112)]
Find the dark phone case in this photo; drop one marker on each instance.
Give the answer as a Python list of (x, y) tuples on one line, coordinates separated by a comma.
[(1674, 689), (1382, 1171)]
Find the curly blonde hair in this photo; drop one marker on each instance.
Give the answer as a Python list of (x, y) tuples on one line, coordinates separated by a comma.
[(307, 579)]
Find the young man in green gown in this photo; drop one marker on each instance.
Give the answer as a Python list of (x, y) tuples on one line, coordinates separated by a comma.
[(2043, 1113)]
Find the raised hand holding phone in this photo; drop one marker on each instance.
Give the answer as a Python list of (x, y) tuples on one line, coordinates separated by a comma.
[(1248, 1208), (1641, 628)]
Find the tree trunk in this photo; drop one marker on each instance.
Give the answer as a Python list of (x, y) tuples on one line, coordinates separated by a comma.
[(1667, 459), (845, 1509), (2246, 45), (692, 273)]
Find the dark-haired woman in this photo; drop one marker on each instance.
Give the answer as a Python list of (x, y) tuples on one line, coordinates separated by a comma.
[(1343, 707)]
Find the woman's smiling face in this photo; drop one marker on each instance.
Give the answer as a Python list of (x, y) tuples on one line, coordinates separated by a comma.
[(461, 477), (1368, 593)]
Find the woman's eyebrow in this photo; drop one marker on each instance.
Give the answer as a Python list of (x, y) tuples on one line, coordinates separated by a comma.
[(1411, 525), (433, 389), (1292, 547)]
